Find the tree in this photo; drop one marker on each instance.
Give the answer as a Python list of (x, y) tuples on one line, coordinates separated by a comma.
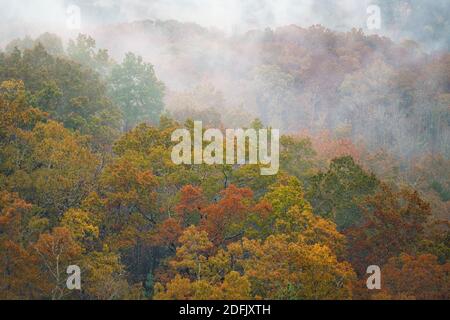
[(21, 278), (225, 220), (337, 193), (297, 156), (136, 90), (192, 254), (104, 276), (416, 277), (233, 287), (51, 42), (18, 114), (70, 93), (82, 50), (393, 222), (56, 251), (280, 269), (192, 203), (55, 169), (82, 226)]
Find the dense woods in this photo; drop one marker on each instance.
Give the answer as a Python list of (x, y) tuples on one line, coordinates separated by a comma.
[(86, 176)]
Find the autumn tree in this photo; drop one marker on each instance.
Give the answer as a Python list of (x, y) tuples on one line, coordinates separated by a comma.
[(419, 277), (68, 92), (233, 287), (55, 252), (225, 220), (280, 269), (393, 222), (21, 278)]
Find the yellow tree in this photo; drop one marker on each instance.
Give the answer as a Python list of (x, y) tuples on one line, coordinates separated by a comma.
[(233, 287), (282, 269), (191, 256)]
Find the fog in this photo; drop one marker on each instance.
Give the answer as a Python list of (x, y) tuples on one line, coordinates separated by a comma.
[(422, 20), (19, 18), (212, 42)]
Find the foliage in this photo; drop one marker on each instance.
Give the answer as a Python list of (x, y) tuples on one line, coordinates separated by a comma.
[(136, 90), (76, 190)]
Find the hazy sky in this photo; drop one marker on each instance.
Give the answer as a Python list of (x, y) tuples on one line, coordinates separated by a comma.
[(422, 20), (31, 16)]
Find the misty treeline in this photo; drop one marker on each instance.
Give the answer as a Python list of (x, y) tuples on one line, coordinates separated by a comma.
[(367, 88), (86, 176)]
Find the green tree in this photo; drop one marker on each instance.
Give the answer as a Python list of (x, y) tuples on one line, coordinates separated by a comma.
[(83, 50), (136, 90), (337, 193)]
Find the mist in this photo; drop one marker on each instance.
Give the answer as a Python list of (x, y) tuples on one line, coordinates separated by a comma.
[(229, 16), (424, 21), (204, 49)]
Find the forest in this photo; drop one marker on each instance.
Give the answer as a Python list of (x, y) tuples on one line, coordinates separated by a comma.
[(86, 176)]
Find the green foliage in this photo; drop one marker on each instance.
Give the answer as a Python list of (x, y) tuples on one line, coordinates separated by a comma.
[(52, 44), (68, 92), (83, 51), (337, 193), (136, 90)]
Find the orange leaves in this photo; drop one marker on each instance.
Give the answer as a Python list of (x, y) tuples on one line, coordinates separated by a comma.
[(299, 262), (21, 278), (56, 251), (235, 199), (167, 233), (393, 222), (192, 199), (57, 246), (11, 210), (197, 272), (223, 220), (146, 219), (194, 241), (177, 289), (18, 266), (311, 229), (420, 277), (122, 173), (192, 202), (58, 147), (263, 209), (146, 179), (234, 287)]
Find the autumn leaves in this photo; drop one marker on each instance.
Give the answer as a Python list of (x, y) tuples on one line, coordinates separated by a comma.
[(225, 257), (236, 147)]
